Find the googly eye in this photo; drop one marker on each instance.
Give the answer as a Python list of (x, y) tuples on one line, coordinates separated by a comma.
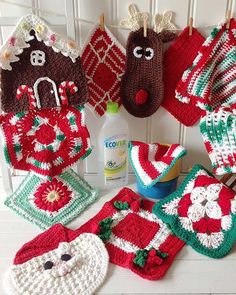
[(149, 53), (65, 257), (138, 52), (48, 265)]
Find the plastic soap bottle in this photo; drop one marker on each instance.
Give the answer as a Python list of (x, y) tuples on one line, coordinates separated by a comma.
[(113, 146)]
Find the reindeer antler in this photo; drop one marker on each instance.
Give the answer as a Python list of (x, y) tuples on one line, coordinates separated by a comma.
[(163, 22), (135, 18)]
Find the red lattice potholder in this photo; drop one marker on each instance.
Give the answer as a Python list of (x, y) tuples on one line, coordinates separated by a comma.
[(103, 61), (134, 237)]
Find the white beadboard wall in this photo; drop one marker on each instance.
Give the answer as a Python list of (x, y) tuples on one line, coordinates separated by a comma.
[(161, 127)]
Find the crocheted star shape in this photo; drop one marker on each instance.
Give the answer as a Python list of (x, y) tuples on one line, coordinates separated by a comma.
[(45, 202), (151, 162), (201, 213), (45, 141), (134, 237), (57, 262)]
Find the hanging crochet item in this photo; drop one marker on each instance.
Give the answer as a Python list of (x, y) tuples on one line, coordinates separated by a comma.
[(57, 262), (178, 57), (151, 162), (45, 202), (36, 61), (218, 129), (210, 81), (142, 83), (202, 212), (134, 237), (103, 60), (45, 141)]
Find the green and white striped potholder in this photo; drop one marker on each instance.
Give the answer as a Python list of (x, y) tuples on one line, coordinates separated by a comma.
[(45, 202)]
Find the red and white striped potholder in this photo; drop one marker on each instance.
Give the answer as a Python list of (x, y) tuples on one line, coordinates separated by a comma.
[(103, 61), (151, 162)]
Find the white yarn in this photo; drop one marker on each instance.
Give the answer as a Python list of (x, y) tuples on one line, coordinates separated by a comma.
[(82, 274), (22, 36)]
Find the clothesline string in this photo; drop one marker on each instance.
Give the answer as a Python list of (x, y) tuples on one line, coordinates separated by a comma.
[(49, 12)]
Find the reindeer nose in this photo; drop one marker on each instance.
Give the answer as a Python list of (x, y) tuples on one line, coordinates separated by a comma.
[(141, 96)]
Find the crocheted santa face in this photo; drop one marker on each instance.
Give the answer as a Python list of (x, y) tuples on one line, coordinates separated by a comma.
[(72, 267)]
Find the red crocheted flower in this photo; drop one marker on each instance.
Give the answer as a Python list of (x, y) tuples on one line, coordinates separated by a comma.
[(52, 195)]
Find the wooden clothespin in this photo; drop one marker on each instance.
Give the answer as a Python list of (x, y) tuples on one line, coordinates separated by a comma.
[(144, 27), (102, 22), (190, 24), (228, 17)]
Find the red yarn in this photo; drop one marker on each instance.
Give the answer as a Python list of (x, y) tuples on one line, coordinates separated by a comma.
[(48, 140), (137, 231), (141, 96), (178, 57), (103, 62), (45, 242)]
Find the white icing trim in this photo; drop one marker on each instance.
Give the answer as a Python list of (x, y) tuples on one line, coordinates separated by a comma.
[(20, 37), (54, 89)]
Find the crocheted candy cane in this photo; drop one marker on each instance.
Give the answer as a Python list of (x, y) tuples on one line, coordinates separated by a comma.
[(24, 89), (63, 88)]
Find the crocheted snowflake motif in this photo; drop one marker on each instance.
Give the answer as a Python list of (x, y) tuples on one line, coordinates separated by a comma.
[(52, 195), (45, 141), (201, 212)]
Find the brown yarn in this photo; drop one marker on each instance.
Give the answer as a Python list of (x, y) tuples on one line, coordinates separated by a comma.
[(57, 67), (144, 74)]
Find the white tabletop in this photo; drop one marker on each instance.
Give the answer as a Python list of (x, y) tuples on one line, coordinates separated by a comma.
[(191, 272)]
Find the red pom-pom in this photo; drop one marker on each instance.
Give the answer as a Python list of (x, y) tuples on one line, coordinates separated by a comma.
[(141, 96)]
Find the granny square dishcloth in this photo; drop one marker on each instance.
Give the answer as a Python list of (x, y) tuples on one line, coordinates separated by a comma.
[(57, 262), (45, 141), (103, 60), (202, 212), (36, 61), (45, 202), (218, 129), (177, 58), (134, 237), (151, 162), (210, 81)]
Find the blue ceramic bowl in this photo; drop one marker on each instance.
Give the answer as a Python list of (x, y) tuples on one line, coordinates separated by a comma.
[(158, 191)]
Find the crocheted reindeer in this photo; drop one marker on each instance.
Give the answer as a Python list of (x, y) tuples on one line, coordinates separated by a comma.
[(142, 85)]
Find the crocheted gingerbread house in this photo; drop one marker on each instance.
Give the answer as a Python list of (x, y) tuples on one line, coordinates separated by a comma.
[(35, 61)]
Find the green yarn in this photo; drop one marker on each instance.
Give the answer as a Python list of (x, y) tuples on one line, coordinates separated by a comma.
[(105, 228), (121, 205), (190, 237), (141, 258), (21, 201)]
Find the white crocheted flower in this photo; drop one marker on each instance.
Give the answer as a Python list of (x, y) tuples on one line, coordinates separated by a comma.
[(204, 203)]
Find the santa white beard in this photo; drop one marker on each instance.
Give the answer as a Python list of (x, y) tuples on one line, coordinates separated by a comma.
[(78, 267)]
